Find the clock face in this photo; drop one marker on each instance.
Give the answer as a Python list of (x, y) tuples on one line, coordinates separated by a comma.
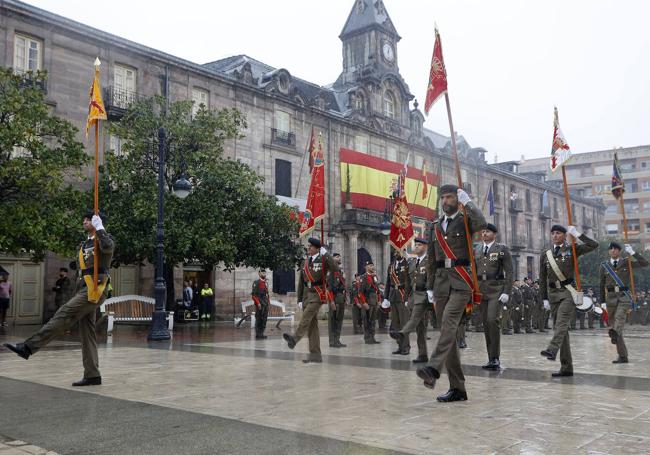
[(388, 52)]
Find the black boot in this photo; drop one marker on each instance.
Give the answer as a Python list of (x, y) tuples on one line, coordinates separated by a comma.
[(19, 348)]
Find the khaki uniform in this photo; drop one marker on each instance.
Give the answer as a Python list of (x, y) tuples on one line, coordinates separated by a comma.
[(517, 309), (79, 308), (371, 294), (494, 270), (311, 292), (451, 292), (618, 303), (398, 288), (336, 284), (260, 294), (528, 297), (418, 277), (357, 312), (561, 300)]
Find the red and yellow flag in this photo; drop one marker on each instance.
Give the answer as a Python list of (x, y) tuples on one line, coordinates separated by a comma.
[(425, 180), (315, 208), (437, 76), (96, 110), (401, 225)]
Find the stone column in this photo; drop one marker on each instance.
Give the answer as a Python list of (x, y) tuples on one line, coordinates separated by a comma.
[(386, 258), (353, 246)]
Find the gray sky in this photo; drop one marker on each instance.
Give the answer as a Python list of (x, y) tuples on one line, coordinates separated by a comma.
[(508, 62)]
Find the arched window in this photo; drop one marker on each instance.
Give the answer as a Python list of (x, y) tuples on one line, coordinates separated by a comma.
[(389, 104), (359, 102)]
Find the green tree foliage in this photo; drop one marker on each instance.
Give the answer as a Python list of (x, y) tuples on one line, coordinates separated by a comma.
[(226, 221), (40, 169)]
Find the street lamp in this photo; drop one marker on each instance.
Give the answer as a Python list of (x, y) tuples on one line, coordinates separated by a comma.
[(181, 188)]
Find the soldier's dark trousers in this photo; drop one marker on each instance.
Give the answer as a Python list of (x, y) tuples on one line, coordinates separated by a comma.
[(418, 322), (399, 316), (618, 309), (357, 319), (308, 325), (528, 317), (449, 311), (369, 322), (77, 309), (562, 309), (517, 319), (261, 315), (491, 315), (335, 319)]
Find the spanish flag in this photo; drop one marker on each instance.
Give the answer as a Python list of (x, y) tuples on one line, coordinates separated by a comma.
[(96, 110)]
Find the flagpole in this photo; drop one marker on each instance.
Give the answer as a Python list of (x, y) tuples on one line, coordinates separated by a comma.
[(302, 162), (629, 258), (438, 174), (468, 233), (570, 219), (96, 209)]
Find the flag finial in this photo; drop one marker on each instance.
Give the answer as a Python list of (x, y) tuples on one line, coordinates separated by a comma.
[(97, 62)]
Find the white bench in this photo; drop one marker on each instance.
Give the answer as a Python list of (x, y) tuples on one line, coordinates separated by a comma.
[(131, 308), (277, 312)]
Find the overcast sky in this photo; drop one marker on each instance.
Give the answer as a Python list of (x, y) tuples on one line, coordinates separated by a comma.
[(508, 62)]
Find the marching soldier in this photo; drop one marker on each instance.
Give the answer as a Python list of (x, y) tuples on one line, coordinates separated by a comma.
[(398, 288), (260, 294), (336, 282), (370, 302), (517, 313), (615, 286), (556, 281), (355, 297), (418, 268), (82, 307), (450, 286), (494, 270), (313, 293), (529, 303)]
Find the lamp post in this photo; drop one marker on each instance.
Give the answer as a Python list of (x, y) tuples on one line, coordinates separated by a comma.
[(181, 188)]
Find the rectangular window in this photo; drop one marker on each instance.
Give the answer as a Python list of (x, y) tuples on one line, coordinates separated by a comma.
[(124, 86), (418, 162), (200, 98), (646, 205), (283, 178), (115, 144), (27, 54), (612, 209), (391, 154), (529, 233), (496, 191), (612, 228), (633, 225), (529, 201), (282, 121), (647, 228), (284, 281), (361, 143), (603, 170), (529, 266), (646, 185)]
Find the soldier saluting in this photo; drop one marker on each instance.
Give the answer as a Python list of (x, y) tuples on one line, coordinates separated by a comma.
[(615, 289), (556, 281), (83, 306), (260, 295), (494, 270), (450, 286), (313, 293)]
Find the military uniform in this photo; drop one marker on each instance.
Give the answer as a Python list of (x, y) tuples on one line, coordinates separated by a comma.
[(371, 295), (517, 309), (418, 276), (540, 315), (398, 288), (336, 284), (494, 271), (312, 293), (80, 308), (260, 294), (562, 304), (618, 303), (529, 306), (451, 292), (357, 312)]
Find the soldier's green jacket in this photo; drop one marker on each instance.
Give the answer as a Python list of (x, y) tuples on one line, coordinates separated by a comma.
[(336, 284), (516, 303), (564, 261), (370, 288), (106, 247), (419, 274), (401, 269), (306, 289), (527, 295), (261, 291), (622, 270), (443, 280), (494, 270)]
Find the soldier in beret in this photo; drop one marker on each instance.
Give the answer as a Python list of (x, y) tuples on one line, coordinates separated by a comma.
[(450, 286), (336, 282), (82, 307), (312, 293), (398, 288), (616, 296), (494, 270), (371, 296), (558, 292)]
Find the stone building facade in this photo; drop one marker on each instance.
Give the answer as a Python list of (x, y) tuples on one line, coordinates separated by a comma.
[(369, 109)]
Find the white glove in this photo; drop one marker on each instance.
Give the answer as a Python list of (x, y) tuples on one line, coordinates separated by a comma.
[(505, 308), (300, 305), (430, 296), (503, 298), (323, 250), (406, 304), (573, 231), (463, 197), (547, 305), (629, 250), (385, 303), (97, 223)]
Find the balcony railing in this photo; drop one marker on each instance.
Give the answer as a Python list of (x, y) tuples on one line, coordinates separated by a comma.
[(516, 205), (362, 217), (284, 138), (545, 213), (518, 242), (117, 101), (28, 80)]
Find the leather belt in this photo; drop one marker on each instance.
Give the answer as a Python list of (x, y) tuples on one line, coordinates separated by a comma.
[(486, 277), (560, 284), (617, 289), (449, 264), (315, 283)]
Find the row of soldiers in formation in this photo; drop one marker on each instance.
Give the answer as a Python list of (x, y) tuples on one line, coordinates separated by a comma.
[(438, 277)]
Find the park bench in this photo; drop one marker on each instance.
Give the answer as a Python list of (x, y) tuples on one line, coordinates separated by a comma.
[(277, 312), (131, 308)]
